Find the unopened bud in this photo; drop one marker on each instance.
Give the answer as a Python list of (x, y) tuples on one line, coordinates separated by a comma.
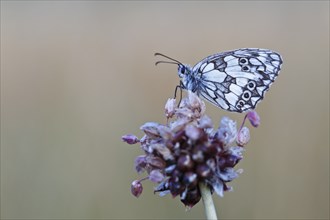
[(190, 179), (130, 139), (170, 108), (203, 170), (136, 188), (243, 136), (253, 118), (185, 162)]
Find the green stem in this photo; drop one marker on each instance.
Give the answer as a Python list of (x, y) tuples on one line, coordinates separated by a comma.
[(207, 201)]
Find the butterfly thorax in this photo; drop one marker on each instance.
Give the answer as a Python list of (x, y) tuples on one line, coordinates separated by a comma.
[(189, 80)]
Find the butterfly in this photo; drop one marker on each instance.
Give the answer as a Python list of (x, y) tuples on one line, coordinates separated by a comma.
[(235, 80)]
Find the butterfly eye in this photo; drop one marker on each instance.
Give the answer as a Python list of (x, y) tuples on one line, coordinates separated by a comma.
[(181, 69)]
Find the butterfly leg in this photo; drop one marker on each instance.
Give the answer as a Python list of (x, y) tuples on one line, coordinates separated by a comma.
[(181, 86)]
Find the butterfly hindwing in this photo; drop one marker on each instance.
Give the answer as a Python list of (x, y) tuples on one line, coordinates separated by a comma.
[(237, 80)]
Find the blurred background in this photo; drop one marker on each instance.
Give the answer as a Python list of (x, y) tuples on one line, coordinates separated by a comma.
[(77, 75)]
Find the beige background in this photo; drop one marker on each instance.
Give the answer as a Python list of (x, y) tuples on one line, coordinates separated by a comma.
[(76, 76)]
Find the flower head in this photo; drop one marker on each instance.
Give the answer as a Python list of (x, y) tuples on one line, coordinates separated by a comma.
[(188, 150)]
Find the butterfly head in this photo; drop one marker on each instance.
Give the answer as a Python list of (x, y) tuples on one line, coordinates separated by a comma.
[(183, 70)]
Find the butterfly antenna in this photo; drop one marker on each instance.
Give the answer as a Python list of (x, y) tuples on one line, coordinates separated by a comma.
[(174, 61), (170, 62)]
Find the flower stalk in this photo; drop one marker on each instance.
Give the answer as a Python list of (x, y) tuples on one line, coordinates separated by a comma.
[(208, 202)]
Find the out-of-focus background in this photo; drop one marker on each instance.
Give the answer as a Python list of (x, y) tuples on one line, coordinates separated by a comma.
[(77, 75)]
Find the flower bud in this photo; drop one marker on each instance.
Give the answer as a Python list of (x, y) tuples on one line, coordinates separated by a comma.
[(130, 139), (253, 118), (170, 108), (243, 136), (203, 171), (198, 154), (190, 179), (185, 162), (136, 188)]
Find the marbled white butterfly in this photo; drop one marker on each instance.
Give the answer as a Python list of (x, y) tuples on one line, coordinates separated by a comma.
[(234, 80)]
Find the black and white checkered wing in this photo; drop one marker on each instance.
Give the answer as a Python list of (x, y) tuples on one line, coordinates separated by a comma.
[(237, 80)]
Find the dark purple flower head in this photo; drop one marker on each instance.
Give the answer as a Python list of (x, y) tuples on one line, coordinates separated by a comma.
[(188, 150)]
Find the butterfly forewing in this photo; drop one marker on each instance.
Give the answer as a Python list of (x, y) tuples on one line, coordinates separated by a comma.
[(237, 80)]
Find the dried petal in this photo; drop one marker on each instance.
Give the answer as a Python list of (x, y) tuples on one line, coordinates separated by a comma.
[(151, 129), (140, 163), (192, 132), (163, 151), (163, 188), (227, 131), (228, 174), (236, 151), (184, 113), (179, 124), (165, 132), (156, 162), (156, 176), (205, 122), (217, 185)]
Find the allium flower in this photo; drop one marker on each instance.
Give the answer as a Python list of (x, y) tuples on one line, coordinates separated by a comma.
[(188, 151)]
